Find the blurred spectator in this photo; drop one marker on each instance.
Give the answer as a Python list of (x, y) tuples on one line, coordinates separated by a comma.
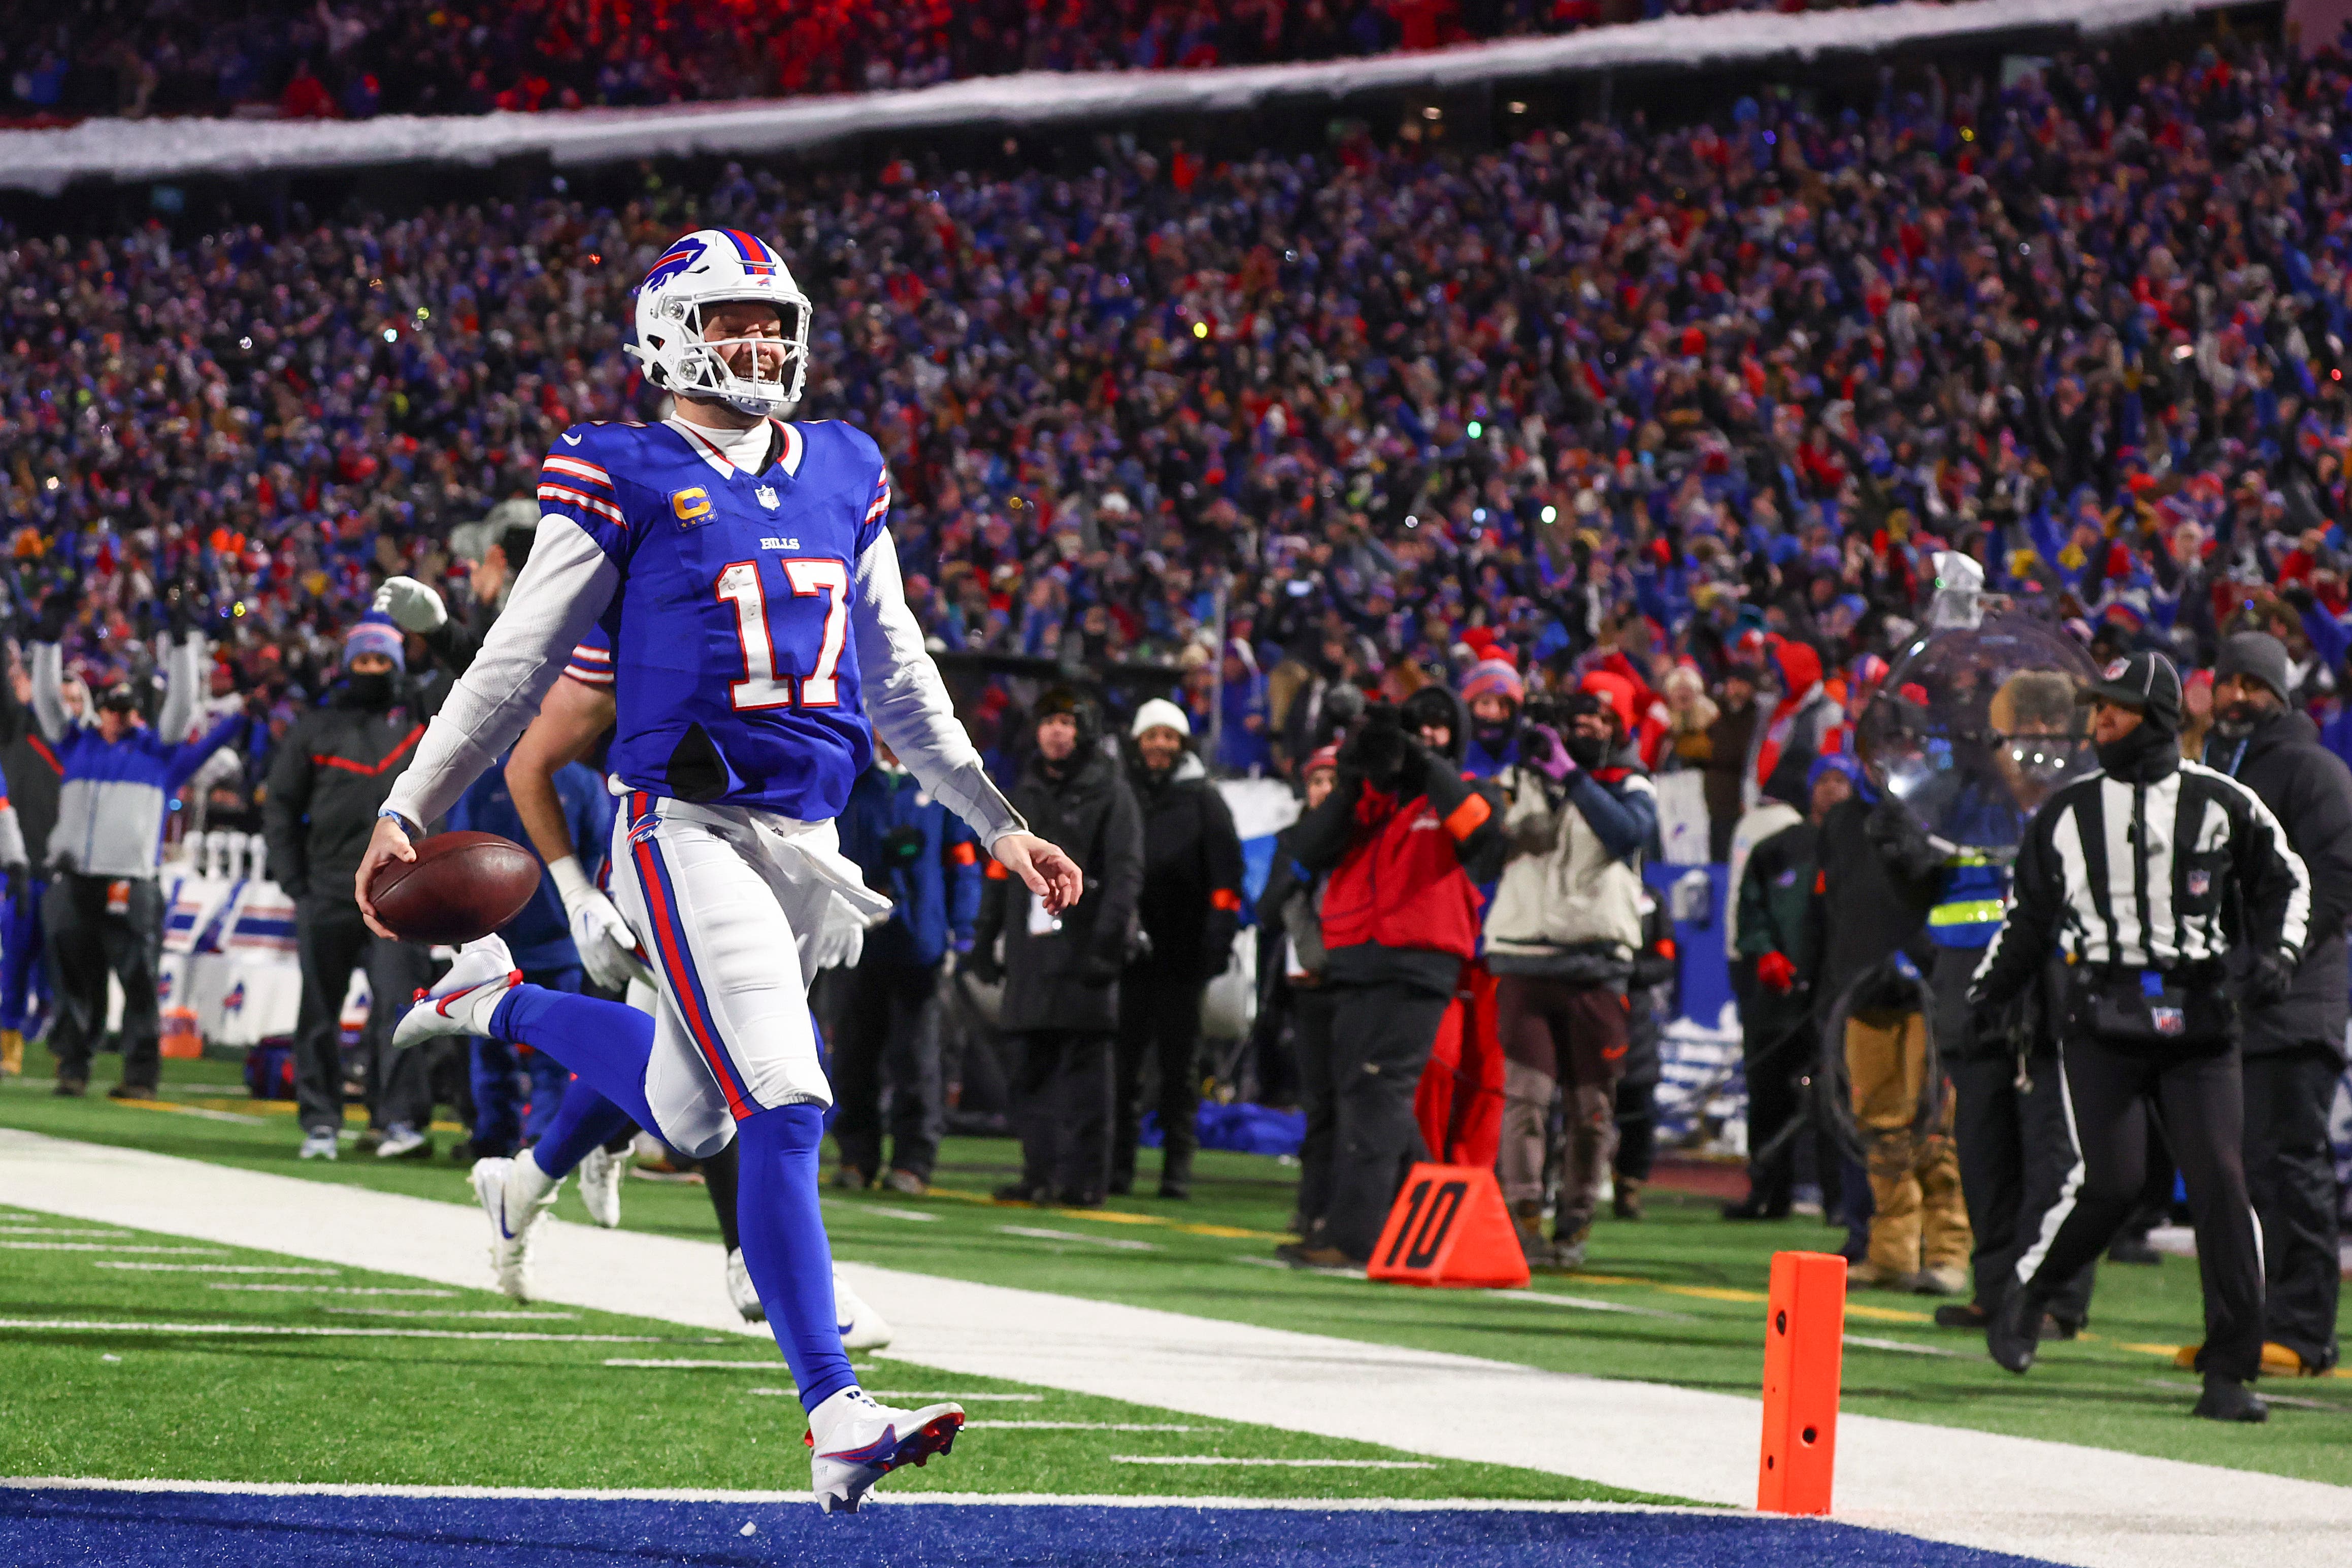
[(1402, 839), (1652, 994), (1293, 969), (1189, 907), (32, 773), (886, 1022), (1563, 936), (1061, 973)]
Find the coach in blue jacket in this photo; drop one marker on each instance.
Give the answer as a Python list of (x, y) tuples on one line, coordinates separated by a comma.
[(918, 852), (540, 940)]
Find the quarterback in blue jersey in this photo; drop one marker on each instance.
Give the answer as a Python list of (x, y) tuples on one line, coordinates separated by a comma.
[(741, 569)]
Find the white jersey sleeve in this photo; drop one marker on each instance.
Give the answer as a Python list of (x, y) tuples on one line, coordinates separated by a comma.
[(907, 703), (563, 588)]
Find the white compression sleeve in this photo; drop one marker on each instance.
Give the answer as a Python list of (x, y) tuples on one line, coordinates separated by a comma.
[(563, 588)]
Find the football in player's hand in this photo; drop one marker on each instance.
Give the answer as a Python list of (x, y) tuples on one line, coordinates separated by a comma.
[(460, 886)]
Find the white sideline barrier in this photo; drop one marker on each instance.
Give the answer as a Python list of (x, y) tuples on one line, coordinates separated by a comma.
[(47, 161)]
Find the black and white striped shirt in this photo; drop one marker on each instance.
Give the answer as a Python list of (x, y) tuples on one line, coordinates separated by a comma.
[(2143, 875)]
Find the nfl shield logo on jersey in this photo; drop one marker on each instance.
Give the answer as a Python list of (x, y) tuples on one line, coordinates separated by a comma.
[(767, 494), (2169, 1020), (2200, 883)]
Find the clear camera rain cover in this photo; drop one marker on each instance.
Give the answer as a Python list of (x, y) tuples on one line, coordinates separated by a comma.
[(1978, 724)]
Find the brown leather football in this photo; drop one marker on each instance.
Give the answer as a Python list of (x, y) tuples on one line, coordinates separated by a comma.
[(459, 887)]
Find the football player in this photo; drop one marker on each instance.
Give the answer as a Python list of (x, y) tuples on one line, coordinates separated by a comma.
[(742, 569)]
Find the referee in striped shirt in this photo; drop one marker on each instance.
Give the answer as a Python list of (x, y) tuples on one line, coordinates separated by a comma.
[(2145, 874)]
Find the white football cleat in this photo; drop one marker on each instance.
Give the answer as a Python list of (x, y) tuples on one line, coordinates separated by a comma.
[(601, 1171), (514, 1193), (741, 1292), (862, 1328), (461, 1001), (856, 1442)]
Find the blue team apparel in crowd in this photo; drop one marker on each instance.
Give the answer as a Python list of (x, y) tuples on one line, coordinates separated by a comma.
[(934, 886), (733, 665)]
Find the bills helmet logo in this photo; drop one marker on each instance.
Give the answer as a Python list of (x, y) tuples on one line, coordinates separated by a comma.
[(678, 259)]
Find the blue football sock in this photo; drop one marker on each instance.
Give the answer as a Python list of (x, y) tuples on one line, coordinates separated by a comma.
[(606, 1043), (584, 1121), (784, 1245)]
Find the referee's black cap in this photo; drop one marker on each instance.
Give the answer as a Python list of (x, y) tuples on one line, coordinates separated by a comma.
[(2147, 682)]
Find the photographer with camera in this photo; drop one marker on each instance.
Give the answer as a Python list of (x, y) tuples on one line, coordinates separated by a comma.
[(885, 1019), (103, 912), (1405, 840), (1561, 937)]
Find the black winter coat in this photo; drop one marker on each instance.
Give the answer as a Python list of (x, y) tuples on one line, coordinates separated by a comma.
[(1192, 898), (2309, 790), (335, 766), (1068, 978), (1878, 883)]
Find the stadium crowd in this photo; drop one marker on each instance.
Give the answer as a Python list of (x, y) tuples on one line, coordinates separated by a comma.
[(353, 59), (1659, 428)]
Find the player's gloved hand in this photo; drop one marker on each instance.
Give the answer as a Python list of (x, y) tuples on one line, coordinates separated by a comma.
[(1776, 973), (609, 950), (838, 942), (2269, 981), (414, 606)]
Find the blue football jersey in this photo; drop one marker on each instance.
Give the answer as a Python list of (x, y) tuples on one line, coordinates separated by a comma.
[(734, 672)]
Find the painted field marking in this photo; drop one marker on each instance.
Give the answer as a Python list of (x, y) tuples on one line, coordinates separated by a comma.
[(1283, 1464), (920, 1393), (2172, 1352), (1121, 1243), (1903, 1345), (106, 1246), (1114, 1217), (884, 1210), (217, 1268), (444, 1312), (1080, 1426), (205, 1113), (327, 1290), (59, 1230), (298, 1331), (1585, 1304), (692, 1365)]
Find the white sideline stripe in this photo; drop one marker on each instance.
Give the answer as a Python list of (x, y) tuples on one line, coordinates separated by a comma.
[(691, 1365), (105, 1247), (302, 1331), (441, 1312), (1586, 1304), (327, 1290), (922, 1394), (1122, 1243), (1078, 1427), (1906, 1346), (59, 1230), (220, 1268), (1277, 1464), (884, 1209), (918, 1499), (2058, 1501)]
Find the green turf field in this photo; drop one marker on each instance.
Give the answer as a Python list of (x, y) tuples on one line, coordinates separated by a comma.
[(341, 1375), (1676, 1299)]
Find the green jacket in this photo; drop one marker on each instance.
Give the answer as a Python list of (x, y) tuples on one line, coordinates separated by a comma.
[(1777, 910)]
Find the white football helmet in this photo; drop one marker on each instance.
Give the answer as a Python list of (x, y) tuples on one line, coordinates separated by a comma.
[(712, 267)]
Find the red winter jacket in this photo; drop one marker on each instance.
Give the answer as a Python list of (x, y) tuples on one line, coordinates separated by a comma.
[(1404, 866)]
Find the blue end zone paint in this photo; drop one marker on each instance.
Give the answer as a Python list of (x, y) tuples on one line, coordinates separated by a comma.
[(198, 1529)]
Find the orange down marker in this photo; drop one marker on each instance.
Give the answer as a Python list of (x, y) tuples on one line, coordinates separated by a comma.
[(1805, 1346), (1450, 1227)]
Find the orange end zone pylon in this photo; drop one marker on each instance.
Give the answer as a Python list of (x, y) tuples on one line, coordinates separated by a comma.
[(1804, 1349), (1449, 1226)]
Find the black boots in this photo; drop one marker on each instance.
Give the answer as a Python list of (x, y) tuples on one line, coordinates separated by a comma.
[(2012, 1331)]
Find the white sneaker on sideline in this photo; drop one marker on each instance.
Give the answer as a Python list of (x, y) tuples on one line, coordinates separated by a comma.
[(741, 1292), (856, 1442), (317, 1143), (461, 1001), (862, 1328), (514, 1194), (399, 1139), (601, 1171)]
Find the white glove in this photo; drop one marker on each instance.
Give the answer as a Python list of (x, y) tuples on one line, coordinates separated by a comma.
[(837, 940), (609, 950), (414, 606)]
